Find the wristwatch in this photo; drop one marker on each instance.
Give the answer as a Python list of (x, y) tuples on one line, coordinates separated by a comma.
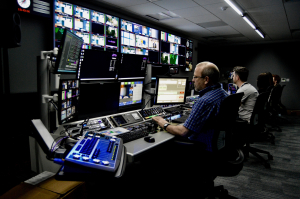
[(166, 125)]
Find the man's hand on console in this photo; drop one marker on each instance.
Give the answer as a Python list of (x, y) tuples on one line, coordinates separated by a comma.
[(160, 121), (175, 130)]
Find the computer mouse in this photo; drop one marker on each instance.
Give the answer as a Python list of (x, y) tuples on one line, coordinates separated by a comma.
[(149, 139)]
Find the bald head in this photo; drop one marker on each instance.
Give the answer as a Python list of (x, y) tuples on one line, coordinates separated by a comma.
[(211, 70)]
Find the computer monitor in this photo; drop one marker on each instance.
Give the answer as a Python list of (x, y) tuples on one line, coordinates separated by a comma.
[(131, 94), (98, 65), (98, 98), (170, 90), (231, 88), (68, 100), (132, 66), (69, 53)]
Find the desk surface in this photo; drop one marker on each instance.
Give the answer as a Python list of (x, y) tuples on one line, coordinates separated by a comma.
[(139, 146)]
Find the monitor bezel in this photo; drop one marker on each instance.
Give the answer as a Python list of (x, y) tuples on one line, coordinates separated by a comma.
[(156, 89), (61, 49)]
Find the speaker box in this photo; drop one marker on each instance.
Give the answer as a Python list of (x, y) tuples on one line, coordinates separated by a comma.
[(11, 29)]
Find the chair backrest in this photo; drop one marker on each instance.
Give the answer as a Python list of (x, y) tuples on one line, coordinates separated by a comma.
[(225, 120), (282, 87), (259, 113)]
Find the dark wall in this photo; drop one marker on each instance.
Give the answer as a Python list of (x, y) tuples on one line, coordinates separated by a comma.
[(36, 34), (277, 58)]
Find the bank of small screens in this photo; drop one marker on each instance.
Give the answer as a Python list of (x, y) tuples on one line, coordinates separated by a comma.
[(68, 100), (131, 93), (98, 65), (68, 57), (98, 30), (170, 90), (140, 40)]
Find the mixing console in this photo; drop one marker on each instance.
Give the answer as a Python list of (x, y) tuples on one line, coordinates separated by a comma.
[(97, 150), (152, 112)]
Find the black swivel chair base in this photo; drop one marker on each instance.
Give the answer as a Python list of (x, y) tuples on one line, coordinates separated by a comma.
[(248, 149)]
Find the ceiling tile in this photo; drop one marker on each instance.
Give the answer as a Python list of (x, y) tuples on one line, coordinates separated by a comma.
[(292, 11), (223, 30), (203, 18), (190, 12), (176, 4), (125, 3), (145, 9), (246, 4), (207, 2)]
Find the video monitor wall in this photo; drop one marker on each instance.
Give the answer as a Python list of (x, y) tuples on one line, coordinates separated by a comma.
[(98, 30), (140, 40), (173, 49)]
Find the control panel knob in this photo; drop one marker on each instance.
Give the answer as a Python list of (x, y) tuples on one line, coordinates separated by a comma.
[(105, 163)]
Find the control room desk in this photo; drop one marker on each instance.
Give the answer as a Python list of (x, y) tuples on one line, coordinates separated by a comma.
[(137, 147)]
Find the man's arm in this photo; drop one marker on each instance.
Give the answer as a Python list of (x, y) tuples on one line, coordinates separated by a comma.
[(175, 130)]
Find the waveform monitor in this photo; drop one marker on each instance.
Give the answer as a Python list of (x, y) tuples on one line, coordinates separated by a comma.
[(170, 90), (69, 53)]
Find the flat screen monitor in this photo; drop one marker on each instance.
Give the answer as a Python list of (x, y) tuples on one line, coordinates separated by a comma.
[(68, 100), (170, 90), (98, 98), (132, 66), (231, 88), (98, 65), (131, 94), (69, 53)]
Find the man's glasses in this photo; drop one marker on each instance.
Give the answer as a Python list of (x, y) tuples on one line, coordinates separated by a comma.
[(195, 77)]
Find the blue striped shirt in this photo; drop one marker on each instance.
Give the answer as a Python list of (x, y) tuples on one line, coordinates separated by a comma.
[(205, 108)]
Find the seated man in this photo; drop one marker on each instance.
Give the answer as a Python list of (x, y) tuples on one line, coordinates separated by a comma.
[(240, 77), (206, 76)]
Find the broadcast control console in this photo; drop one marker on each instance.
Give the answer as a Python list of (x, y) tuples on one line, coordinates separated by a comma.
[(97, 150)]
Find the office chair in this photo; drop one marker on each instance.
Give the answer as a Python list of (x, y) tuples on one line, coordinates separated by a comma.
[(256, 128), (275, 109), (227, 156)]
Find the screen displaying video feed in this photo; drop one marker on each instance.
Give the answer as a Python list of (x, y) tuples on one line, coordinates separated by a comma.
[(139, 39), (68, 100), (94, 27), (131, 92), (171, 49)]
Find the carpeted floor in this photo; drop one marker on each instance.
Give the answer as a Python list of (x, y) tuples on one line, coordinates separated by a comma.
[(282, 180)]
